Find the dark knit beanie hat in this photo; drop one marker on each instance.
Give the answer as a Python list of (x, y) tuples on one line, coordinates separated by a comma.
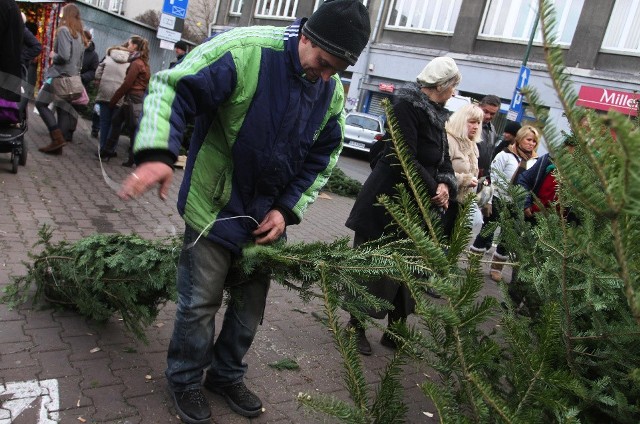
[(181, 45), (512, 128), (340, 27)]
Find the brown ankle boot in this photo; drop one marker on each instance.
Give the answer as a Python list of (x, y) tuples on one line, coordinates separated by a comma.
[(57, 141), (496, 268)]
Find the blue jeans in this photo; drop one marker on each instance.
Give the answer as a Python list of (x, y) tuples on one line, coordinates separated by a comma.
[(203, 273), (105, 122)]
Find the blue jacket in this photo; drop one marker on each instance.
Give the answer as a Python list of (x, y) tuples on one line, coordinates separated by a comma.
[(532, 178), (265, 138)]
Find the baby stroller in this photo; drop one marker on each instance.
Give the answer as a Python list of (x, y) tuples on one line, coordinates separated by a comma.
[(13, 126)]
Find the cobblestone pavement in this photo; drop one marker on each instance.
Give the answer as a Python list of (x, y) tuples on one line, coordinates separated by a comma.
[(50, 370)]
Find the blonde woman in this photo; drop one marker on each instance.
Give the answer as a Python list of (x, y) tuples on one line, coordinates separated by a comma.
[(521, 154), (66, 59), (464, 130)]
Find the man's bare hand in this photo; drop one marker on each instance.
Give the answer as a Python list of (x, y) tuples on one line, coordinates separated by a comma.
[(271, 228), (145, 177)]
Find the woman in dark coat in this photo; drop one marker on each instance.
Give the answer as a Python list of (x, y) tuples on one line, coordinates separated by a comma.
[(11, 33), (420, 113)]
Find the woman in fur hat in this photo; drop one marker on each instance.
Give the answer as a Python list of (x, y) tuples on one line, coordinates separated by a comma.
[(421, 116)]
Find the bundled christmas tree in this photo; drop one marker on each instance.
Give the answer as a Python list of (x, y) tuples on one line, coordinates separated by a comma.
[(101, 275)]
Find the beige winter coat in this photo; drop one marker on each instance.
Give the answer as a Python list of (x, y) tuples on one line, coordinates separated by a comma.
[(464, 158), (111, 72)]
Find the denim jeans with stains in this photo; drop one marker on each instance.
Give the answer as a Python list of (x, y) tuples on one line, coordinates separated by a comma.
[(204, 269)]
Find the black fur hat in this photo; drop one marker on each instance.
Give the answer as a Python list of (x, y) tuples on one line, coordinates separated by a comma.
[(340, 27)]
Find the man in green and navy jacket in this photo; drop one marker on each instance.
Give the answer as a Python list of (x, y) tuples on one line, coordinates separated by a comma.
[(268, 109)]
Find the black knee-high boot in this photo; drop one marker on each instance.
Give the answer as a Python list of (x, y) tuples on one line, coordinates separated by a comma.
[(364, 347), (387, 339)]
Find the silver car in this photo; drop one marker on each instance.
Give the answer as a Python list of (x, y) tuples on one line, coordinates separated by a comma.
[(362, 130)]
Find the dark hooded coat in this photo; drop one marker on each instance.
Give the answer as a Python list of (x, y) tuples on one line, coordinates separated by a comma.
[(11, 33), (421, 122)]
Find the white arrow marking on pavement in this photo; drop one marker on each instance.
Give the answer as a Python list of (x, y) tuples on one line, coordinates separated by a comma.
[(25, 393)]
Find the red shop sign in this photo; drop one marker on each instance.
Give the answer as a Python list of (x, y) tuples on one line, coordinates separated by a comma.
[(388, 88), (606, 99)]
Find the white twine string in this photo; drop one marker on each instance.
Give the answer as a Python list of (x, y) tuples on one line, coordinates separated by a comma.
[(116, 187), (170, 228), (190, 245), (112, 184)]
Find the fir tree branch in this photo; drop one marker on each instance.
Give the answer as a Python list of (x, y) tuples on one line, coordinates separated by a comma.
[(623, 262), (605, 336), (553, 58), (407, 167), (487, 398), (47, 258), (467, 375), (565, 296), (346, 346), (532, 383)]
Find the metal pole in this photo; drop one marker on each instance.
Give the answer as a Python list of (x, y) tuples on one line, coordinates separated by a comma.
[(366, 76), (511, 116), (531, 37)]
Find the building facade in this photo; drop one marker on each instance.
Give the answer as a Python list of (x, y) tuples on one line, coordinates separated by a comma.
[(488, 39), (127, 8)]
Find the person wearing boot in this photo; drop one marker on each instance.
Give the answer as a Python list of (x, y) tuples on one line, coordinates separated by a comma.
[(66, 58), (421, 116), (269, 121), (109, 77), (133, 87), (11, 42), (521, 154)]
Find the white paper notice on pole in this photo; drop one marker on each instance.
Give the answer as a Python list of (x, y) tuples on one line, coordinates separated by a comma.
[(167, 21), (22, 398), (167, 45), (169, 35)]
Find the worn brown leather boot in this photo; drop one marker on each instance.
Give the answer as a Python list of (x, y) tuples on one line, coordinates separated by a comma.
[(57, 142), (496, 267)]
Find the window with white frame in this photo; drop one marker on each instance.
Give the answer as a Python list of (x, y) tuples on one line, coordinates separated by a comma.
[(276, 9), (438, 16), (236, 8), (514, 20), (116, 6), (319, 2), (623, 31)]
